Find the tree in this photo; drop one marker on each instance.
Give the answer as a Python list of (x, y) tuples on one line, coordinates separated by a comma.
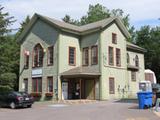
[(98, 12), (149, 38), (7, 51), (23, 25), (5, 22), (95, 13)]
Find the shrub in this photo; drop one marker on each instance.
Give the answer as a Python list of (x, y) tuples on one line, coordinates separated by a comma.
[(48, 94), (5, 88)]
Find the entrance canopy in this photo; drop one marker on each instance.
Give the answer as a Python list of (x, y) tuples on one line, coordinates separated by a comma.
[(81, 72)]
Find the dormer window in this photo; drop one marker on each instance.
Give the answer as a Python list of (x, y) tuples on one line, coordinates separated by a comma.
[(38, 56), (136, 61), (114, 38)]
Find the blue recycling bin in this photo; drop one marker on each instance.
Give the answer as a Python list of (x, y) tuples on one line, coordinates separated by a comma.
[(144, 99)]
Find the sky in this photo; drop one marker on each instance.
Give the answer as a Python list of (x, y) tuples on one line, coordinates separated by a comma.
[(142, 12)]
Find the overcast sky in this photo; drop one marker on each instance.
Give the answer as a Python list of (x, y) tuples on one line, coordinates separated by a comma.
[(142, 12)]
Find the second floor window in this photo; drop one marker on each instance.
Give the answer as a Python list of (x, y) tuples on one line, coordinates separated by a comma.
[(26, 59), (111, 59), (114, 38), (85, 56), (118, 57), (50, 55), (94, 55), (72, 55), (136, 61), (38, 56)]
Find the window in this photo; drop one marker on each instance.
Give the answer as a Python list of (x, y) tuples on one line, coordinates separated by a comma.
[(94, 55), (136, 61), (85, 56), (150, 77), (111, 59), (38, 56), (111, 86), (50, 84), (50, 55), (72, 55), (128, 59), (25, 83), (114, 38), (26, 59), (118, 57), (37, 85), (133, 75)]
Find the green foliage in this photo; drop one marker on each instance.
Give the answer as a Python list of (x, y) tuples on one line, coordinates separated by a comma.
[(5, 88), (9, 52), (23, 25), (5, 22), (95, 13), (8, 79), (98, 12), (149, 38)]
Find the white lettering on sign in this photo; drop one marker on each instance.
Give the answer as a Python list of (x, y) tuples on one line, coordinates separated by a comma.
[(37, 72)]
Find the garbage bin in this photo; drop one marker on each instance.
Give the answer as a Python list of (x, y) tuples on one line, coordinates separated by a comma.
[(144, 99)]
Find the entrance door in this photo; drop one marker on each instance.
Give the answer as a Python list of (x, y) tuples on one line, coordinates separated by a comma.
[(89, 89), (64, 90)]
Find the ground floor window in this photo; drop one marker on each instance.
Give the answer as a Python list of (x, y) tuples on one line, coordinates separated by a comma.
[(111, 85), (133, 75), (37, 84), (50, 84), (25, 82)]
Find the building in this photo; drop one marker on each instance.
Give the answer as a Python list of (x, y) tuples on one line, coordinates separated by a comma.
[(65, 61)]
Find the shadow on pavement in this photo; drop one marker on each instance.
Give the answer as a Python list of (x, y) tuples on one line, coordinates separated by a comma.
[(127, 101)]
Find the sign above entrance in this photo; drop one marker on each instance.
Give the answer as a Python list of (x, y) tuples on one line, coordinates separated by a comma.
[(37, 72)]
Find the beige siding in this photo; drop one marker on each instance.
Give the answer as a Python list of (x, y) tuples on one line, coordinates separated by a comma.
[(133, 85), (119, 73)]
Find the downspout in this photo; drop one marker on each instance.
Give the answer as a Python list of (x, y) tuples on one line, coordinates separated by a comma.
[(100, 65), (57, 83)]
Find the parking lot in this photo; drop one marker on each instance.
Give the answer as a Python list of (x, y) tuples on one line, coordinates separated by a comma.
[(103, 110)]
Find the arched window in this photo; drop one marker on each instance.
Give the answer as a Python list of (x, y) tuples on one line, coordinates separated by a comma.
[(38, 56), (136, 61), (128, 59)]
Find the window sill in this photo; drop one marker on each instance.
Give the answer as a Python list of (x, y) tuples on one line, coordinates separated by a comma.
[(49, 64), (72, 64)]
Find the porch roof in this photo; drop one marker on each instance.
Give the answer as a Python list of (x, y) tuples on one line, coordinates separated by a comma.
[(81, 72)]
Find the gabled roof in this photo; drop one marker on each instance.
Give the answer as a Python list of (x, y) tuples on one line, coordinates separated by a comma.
[(78, 30)]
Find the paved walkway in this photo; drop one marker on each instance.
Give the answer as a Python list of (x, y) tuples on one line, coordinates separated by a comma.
[(103, 110)]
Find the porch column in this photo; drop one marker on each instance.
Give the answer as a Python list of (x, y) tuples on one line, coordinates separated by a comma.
[(80, 88)]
